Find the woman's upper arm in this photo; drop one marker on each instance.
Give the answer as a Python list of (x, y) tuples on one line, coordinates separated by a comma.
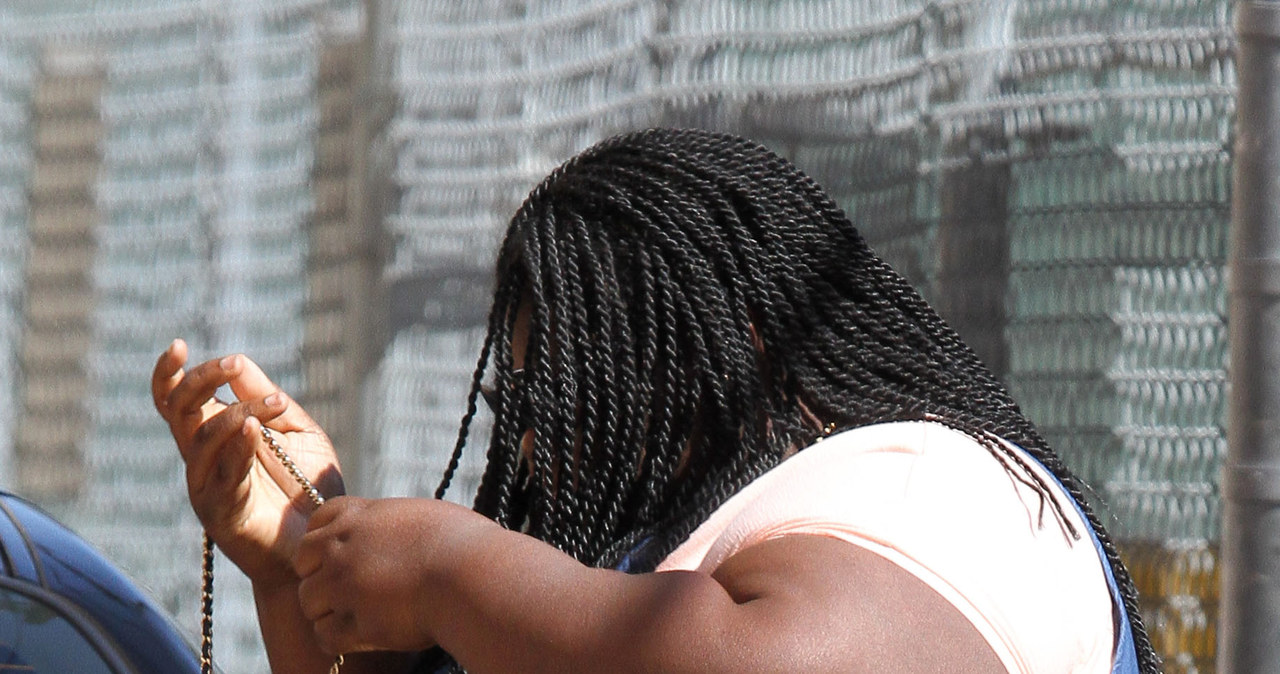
[(813, 603)]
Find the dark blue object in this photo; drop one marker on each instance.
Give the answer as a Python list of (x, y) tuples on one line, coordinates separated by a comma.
[(65, 608)]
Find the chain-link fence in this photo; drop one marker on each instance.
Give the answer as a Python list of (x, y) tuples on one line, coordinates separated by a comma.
[(321, 183)]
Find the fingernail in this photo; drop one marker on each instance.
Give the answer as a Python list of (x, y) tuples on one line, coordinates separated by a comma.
[(172, 345), (228, 362), (272, 400)]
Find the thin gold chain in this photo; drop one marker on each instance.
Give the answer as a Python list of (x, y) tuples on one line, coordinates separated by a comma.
[(206, 594), (206, 609)]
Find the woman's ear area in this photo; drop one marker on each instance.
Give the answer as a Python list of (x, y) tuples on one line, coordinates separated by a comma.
[(756, 340), (520, 332)]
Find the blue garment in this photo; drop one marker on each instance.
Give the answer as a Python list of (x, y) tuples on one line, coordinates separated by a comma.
[(628, 562), (1126, 655)]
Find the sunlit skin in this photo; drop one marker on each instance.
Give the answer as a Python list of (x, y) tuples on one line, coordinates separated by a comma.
[(375, 575)]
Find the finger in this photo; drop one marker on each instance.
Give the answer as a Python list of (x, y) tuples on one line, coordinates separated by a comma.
[(329, 512), (307, 558), (313, 598), (336, 632), (317, 543), (166, 375), (222, 427), (200, 382), (214, 471), (252, 382)]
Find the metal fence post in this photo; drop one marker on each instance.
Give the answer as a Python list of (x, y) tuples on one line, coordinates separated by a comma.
[(1249, 627)]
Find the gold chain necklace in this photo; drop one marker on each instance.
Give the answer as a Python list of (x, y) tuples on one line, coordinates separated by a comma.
[(206, 593)]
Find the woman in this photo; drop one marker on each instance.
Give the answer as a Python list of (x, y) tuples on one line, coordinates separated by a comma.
[(677, 314)]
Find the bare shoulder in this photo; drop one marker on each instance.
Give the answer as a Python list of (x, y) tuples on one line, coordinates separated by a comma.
[(829, 605)]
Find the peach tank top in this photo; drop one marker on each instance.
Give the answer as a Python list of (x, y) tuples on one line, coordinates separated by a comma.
[(938, 504)]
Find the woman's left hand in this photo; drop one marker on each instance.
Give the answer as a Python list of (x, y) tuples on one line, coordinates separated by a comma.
[(363, 565)]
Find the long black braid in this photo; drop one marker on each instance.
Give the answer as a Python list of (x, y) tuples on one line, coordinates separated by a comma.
[(695, 305)]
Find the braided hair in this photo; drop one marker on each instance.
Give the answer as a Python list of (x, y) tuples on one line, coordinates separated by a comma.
[(697, 308)]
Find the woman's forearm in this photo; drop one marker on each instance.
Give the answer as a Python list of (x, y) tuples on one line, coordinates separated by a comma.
[(411, 573), (505, 602)]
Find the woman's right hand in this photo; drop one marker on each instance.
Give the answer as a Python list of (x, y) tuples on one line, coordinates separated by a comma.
[(247, 501)]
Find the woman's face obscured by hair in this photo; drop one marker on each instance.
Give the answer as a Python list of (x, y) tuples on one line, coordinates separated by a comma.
[(519, 347)]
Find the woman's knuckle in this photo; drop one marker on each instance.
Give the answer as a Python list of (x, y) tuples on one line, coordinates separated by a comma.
[(204, 433)]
